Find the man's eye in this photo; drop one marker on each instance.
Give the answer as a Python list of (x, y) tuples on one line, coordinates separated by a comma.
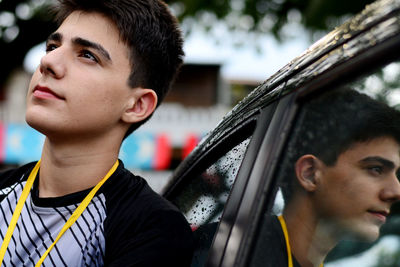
[(89, 55), (376, 169), (50, 47)]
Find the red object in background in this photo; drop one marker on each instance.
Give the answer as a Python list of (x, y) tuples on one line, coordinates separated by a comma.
[(190, 143), (2, 141), (162, 158)]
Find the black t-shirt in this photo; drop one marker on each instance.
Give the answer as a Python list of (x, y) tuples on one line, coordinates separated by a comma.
[(271, 250), (126, 224)]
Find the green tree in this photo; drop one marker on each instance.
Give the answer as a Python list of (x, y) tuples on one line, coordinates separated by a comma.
[(315, 14)]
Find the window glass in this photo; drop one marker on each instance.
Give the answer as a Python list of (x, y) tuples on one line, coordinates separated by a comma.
[(338, 189), (203, 200)]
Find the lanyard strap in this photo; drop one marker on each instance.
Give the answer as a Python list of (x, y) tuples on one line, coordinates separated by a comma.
[(286, 234), (75, 215)]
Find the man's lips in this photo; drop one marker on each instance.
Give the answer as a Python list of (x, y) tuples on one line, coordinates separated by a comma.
[(45, 93), (380, 214)]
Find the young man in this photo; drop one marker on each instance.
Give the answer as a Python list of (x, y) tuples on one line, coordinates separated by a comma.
[(107, 67), (339, 178)]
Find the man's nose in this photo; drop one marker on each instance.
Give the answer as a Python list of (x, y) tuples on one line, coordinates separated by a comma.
[(53, 63), (391, 192)]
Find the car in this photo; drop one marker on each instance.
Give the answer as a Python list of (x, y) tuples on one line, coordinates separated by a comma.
[(227, 184)]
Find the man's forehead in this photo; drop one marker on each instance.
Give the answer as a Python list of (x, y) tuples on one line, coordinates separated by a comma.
[(384, 147), (90, 23)]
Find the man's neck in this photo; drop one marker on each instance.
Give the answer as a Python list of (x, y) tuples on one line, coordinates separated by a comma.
[(309, 242), (73, 167)]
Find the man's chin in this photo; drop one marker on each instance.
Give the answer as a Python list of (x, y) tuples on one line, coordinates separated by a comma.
[(33, 122), (356, 229), (39, 124), (365, 233)]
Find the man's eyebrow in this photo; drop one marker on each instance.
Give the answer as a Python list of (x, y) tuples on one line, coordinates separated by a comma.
[(385, 162), (90, 44), (57, 37)]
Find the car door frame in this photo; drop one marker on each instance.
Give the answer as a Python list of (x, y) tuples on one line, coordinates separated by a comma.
[(260, 189)]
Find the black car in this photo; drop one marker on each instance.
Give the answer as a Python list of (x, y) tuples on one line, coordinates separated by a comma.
[(229, 182)]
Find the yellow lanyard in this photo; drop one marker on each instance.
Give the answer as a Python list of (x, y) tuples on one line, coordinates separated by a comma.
[(75, 215), (286, 234)]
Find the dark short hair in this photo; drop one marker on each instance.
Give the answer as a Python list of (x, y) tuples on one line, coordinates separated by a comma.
[(150, 31), (329, 124)]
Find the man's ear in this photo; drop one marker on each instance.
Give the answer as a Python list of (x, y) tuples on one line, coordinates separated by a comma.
[(306, 172), (140, 105)]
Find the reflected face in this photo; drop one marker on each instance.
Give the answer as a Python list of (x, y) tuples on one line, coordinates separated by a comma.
[(355, 195), (81, 85)]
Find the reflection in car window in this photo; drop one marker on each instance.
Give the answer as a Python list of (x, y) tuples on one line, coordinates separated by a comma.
[(384, 86), (338, 180)]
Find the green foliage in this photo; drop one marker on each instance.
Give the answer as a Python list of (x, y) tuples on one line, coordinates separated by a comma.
[(316, 14)]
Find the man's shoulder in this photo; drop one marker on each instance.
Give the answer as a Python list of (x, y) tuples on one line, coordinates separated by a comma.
[(130, 198), (127, 189), (141, 221), (270, 250), (13, 175)]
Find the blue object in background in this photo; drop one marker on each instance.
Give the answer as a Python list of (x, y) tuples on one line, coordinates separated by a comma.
[(138, 150), (22, 144)]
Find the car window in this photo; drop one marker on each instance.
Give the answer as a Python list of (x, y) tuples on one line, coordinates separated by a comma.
[(337, 187), (203, 197), (203, 200)]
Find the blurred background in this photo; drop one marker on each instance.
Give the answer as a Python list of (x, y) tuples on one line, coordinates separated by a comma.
[(231, 47)]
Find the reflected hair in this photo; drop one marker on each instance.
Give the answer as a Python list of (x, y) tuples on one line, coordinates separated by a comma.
[(330, 124), (150, 31)]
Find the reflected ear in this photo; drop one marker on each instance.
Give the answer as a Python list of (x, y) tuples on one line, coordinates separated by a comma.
[(306, 170), (140, 105)]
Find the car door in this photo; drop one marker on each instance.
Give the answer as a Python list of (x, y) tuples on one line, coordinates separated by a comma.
[(215, 172), (362, 61)]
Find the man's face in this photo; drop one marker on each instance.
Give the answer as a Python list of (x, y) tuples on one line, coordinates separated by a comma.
[(81, 84), (355, 195)]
